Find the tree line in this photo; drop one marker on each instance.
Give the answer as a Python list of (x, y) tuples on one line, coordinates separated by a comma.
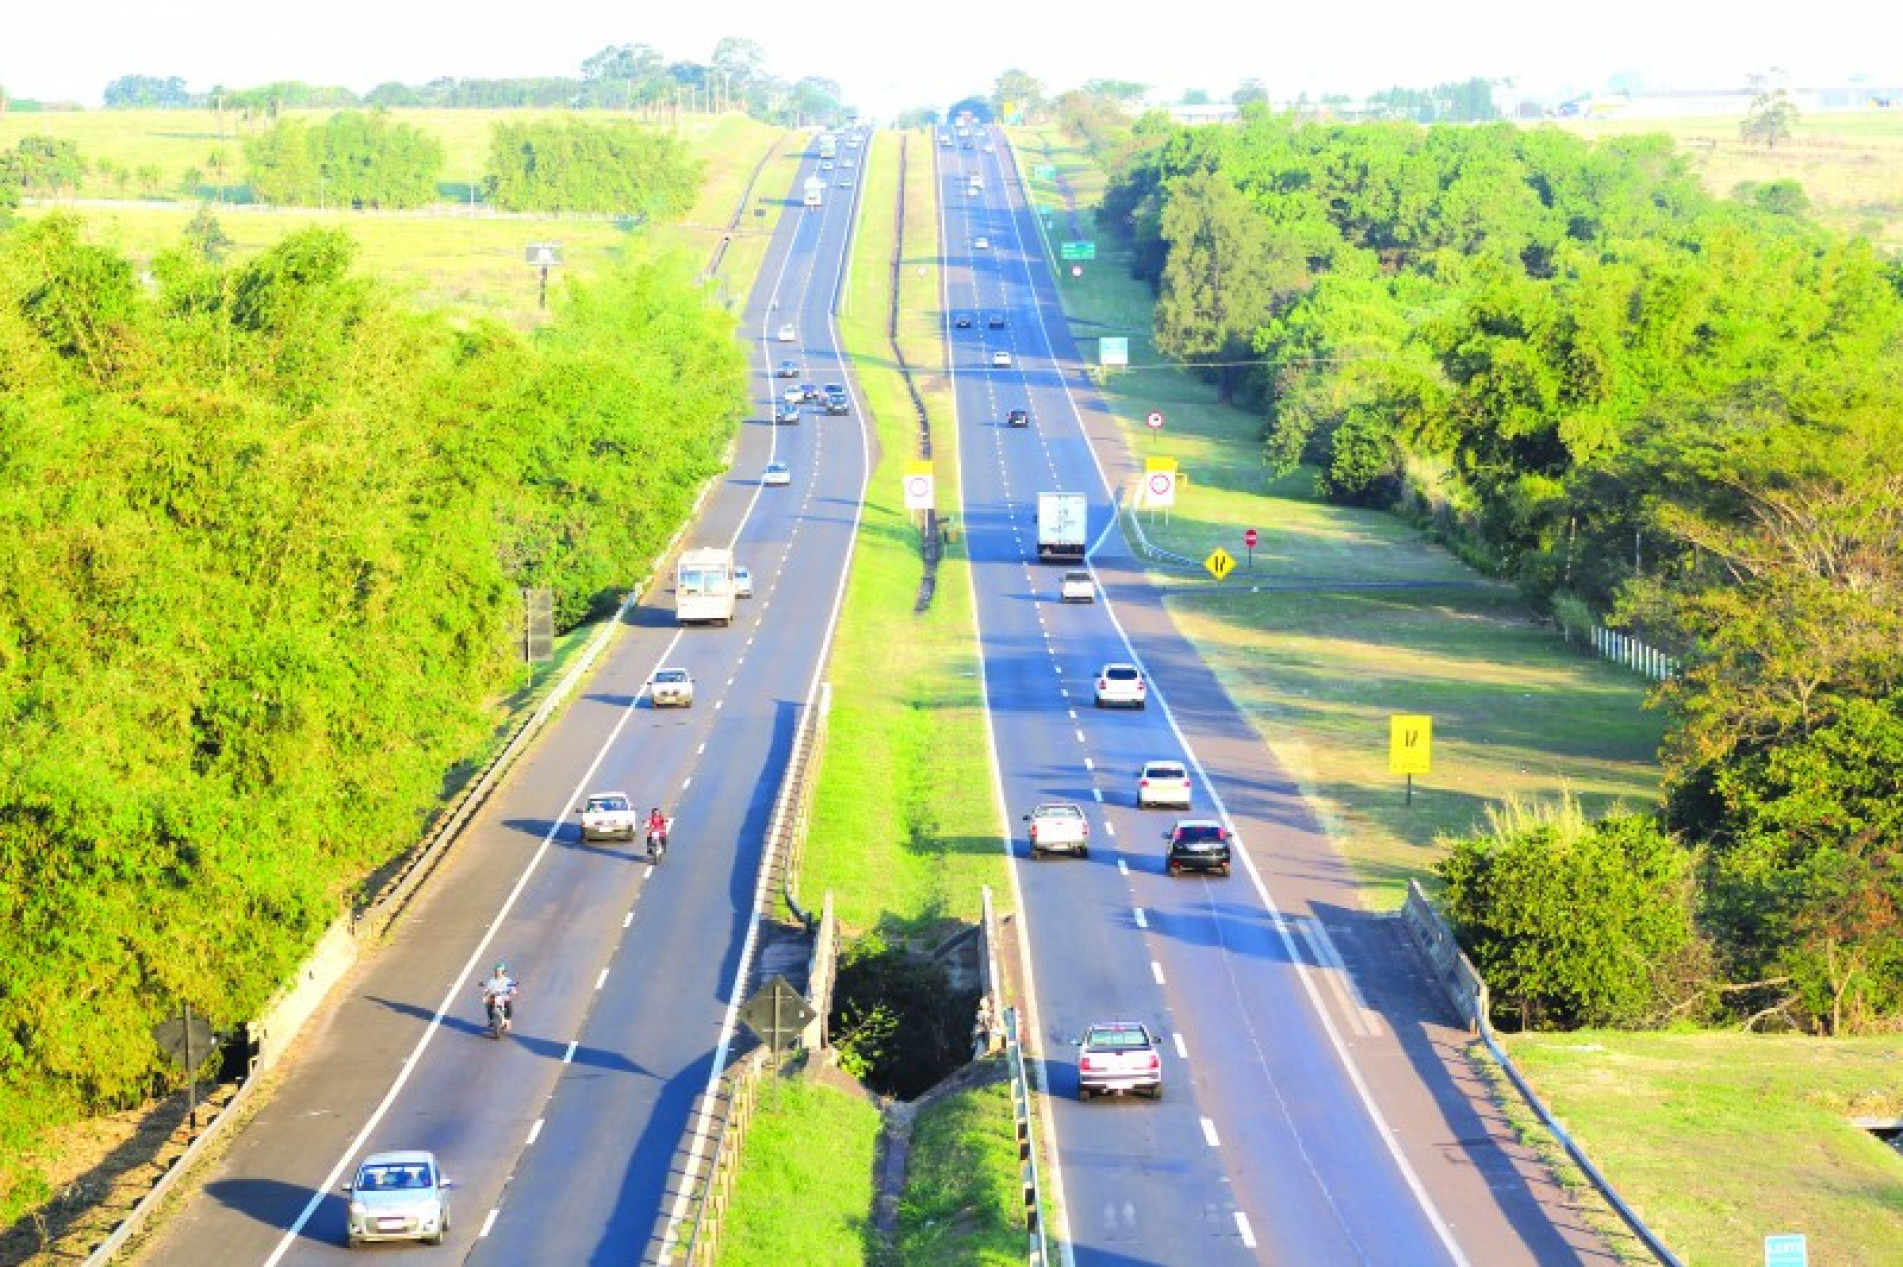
[(1646, 404), (630, 77), (262, 535), (365, 159)]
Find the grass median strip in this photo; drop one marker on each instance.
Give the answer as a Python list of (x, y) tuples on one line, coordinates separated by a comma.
[(904, 827), (805, 1188)]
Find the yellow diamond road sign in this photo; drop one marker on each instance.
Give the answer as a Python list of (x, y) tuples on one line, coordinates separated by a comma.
[(1220, 563)]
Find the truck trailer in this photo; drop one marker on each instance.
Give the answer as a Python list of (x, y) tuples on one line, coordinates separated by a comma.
[(815, 191), (1060, 527), (703, 586)]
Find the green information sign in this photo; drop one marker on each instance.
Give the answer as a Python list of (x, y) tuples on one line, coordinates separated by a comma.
[(1078, 250)]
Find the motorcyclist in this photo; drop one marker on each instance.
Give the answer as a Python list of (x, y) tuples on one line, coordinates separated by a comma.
[(498, 991), (657, 829)]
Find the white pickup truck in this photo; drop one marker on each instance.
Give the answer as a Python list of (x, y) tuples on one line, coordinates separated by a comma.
[(1059, 827), (609, 816)]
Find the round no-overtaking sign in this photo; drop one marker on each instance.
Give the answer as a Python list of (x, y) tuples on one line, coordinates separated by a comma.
[(1155, 420)]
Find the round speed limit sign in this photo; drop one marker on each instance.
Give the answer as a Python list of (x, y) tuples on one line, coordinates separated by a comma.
[(1155, 420)]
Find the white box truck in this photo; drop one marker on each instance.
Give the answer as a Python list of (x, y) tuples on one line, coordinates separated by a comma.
[(1060, 527), (815, 191), (703, 586)]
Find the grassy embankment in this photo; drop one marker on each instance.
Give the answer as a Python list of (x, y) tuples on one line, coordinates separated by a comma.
[(1850, 164), (1717, 1138), (443, 258), (898, 837)]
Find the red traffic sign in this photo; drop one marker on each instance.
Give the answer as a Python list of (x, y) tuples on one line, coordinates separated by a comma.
[(1248, 538), (1155, 420), (1076, 270)]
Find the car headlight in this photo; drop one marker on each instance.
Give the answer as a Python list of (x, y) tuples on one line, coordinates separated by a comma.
[(358, 1210)]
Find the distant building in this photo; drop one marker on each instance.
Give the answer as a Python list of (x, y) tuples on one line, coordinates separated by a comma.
[(1215, 112)]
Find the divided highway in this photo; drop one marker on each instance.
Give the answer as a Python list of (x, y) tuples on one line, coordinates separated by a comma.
[(562, 1139), (1317, 1107)]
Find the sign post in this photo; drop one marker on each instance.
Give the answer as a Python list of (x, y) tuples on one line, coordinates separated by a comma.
[(1410, 747)]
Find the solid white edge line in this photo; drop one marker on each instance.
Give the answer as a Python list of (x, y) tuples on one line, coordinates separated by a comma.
[(456, 988), (1059, 1206), (761, 886), (1376, 1117)]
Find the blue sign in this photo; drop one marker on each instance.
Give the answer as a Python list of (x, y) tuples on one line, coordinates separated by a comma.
[(1786, 1250)]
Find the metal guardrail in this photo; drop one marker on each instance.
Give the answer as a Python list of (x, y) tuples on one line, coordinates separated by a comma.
[(785, 845), (740, 1092), (1037, 1248), (1468, 991)]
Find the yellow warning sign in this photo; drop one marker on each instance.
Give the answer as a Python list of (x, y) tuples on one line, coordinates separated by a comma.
[(1220, 563), (1410, 743)]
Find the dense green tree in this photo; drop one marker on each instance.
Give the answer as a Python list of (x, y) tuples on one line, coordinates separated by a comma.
[(355, 158), (1577, 923), (1223, 277), (147, 92), (1250, 90), (261, 534), (1019, 95), (1772, 115), (573, 165)]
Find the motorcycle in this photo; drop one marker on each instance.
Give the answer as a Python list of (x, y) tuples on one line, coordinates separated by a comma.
[(501, 1009), (657, 843)]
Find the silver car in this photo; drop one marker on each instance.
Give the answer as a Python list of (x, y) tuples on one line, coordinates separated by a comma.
[(398, 1196), (671, 688), (742, 583)]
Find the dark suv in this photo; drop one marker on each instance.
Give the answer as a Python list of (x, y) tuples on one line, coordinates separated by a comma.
[(836, 402), (995, 321), (1198, 844), (1017, 418)]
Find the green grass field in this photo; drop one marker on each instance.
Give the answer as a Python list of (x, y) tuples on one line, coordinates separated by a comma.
[(1718, 1138), (447, 257), (897, 837), (1850, 163), (805, 1192)]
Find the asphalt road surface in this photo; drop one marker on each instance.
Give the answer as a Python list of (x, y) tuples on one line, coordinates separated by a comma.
[(1317, 1107), (562, 1138)]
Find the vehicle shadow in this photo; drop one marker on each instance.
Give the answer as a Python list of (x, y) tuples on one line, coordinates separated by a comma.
[(475, 1025), (278, 1205)]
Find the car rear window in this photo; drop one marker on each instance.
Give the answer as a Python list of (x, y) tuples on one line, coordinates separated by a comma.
[(1117, 1039), (1198, 835), (1121, 674), (1165, 772)]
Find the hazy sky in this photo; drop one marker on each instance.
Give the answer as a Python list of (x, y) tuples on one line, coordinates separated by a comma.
[(894, 54)]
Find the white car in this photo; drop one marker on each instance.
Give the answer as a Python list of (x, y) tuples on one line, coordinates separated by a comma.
[(788, 333), (742, 583), (1121, 685), (671, 688), (608, 816), (1059, 827), (1077, 587), (981, 244), (777, 473), (1163, 783), (399, 1196), (1001, 359)]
